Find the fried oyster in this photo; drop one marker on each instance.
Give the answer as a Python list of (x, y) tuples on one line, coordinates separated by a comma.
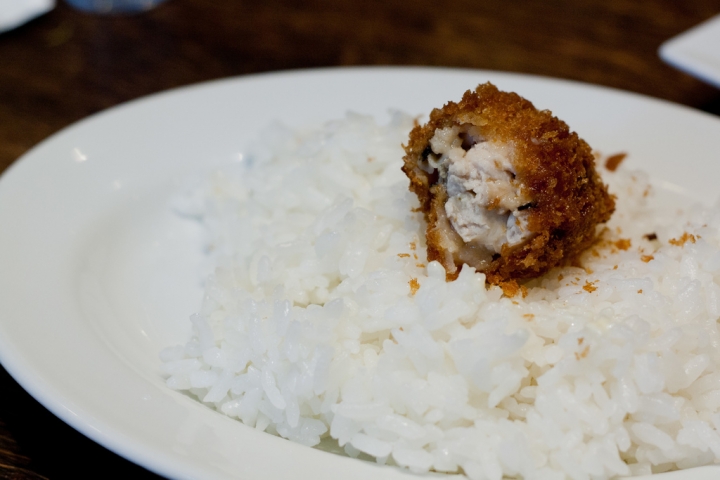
[(505, 188)]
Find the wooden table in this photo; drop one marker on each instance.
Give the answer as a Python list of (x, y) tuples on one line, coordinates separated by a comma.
[(66, 65)]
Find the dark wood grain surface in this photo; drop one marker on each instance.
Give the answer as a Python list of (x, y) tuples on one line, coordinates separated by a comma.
[(66, 65)]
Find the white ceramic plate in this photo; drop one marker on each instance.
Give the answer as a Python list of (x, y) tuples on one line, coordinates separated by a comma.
[(14, 13), (98, 276), (696, 51)]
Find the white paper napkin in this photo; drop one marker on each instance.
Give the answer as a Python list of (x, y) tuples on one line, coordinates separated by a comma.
[(696, 51), (14, 13)]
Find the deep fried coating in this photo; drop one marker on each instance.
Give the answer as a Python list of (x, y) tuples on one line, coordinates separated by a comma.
[(505, 188)]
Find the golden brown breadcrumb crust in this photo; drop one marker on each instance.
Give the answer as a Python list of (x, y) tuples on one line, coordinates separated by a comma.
[(554, 165)]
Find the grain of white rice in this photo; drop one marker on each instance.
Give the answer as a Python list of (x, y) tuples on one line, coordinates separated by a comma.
[(323, 318)]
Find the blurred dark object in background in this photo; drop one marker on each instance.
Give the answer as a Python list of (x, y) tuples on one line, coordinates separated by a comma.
[(114, 6)]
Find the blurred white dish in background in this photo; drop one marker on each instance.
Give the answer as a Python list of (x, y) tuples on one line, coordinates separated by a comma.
[(697, 51), (14, 13)]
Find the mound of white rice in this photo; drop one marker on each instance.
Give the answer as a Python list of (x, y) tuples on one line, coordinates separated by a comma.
[(323, 319)]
